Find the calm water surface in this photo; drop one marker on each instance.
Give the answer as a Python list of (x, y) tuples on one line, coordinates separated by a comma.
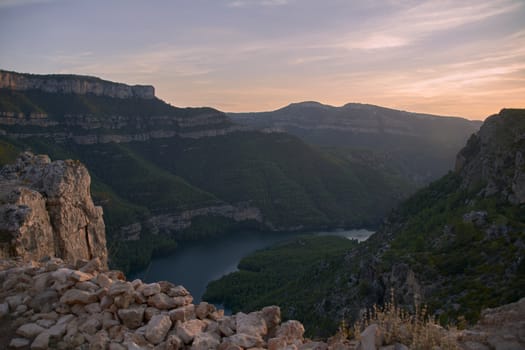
[(195, 264)]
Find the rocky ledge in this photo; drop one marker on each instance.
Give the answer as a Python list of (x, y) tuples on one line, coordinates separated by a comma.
[(73, 84), (54, 305), (46, 210)]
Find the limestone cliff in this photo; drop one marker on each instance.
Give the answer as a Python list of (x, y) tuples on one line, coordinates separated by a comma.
[(89, 110), (46, 210), (494, 157), (73, 84)]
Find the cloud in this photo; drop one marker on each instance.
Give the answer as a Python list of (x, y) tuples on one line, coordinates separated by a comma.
[(407, 24), (378, 41)]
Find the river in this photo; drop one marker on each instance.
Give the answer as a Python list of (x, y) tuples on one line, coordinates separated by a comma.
[(196, 263)]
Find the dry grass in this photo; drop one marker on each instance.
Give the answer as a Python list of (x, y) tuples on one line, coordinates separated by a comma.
[(416, 330)]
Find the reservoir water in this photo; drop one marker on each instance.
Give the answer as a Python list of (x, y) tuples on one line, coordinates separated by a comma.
[(195, 263)]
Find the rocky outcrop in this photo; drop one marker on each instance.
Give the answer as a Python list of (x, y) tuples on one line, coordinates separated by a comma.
[(93, 120), (493, 160), (51, 304), (73, 84), (499, 328), (46, 210)]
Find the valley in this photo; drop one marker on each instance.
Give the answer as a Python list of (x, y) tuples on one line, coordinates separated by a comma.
[(196, 263), (165, 174)]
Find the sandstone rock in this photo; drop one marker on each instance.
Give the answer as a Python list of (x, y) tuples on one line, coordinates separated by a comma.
[(150, 289), (162, 301), (371, 338), (19, 343), (100, 341), (103, 280), (149, 312), (183, 313), (29, 330), (93, 265), (178, 291), (50, 211), (157, 328), (245, 340), (188, 330), (251, 324), (123, 301), (277, 344), (116, 346), (173, 342), (41, 342), (227, 326), (203, 310), (93, 308), (45, 323), (272, 317), (80, 276), (43, 302), (120, 287), (205, 341), (4, 309), (290, 331), (68, 84), (106, 302), (61, 275), (226, 345), (75, 296), (91, 326), (132, 317)]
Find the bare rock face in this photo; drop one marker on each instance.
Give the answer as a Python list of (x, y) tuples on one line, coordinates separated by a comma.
[(73, 84), (46, 210), (494, 157)]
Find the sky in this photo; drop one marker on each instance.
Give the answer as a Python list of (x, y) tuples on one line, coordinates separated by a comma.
[(449, 57)]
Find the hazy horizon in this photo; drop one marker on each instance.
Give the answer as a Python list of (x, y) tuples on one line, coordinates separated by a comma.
[(448, 58)]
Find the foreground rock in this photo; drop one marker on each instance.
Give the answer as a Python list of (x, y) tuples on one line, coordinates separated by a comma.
[(77, 309), (46, 210)]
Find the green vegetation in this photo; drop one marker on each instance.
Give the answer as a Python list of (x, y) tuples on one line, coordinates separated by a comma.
[(294, 185), (476, 262), (294, 275)]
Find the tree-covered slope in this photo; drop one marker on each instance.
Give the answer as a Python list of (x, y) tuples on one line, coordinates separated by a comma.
[(421, 147), (180, 173), (457, 245)]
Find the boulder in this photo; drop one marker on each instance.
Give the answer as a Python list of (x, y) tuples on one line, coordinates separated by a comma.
[(132, 317), (76, 296), (162, 301), (291, 332), (158, 328), (188, 330), (205, 341), (251, 324), (29, 330)]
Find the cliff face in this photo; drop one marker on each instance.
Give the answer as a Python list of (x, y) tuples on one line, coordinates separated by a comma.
[(89, 110), (46, 210), (73, 84), (494, 158), (456, 245)]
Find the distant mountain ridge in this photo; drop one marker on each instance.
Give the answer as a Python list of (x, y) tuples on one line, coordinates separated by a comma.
[(420, 146), (88, 110), (72, 84), (164, 173), (456, 245)]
